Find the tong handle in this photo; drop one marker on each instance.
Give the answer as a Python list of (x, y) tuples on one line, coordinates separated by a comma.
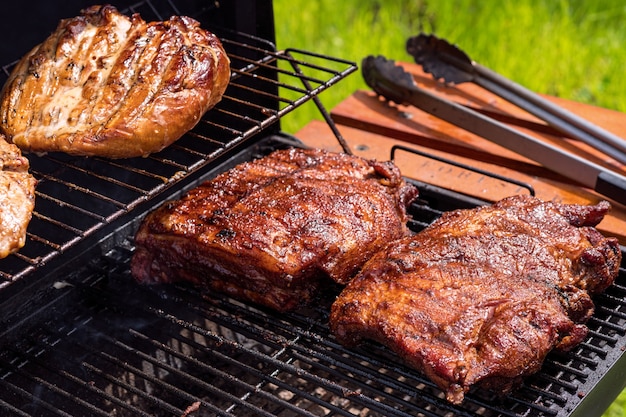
[(394, 83), (557, 117), (611, 184), (446, 61)]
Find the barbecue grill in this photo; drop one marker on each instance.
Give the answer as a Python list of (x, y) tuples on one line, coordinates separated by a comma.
[(80, 338)]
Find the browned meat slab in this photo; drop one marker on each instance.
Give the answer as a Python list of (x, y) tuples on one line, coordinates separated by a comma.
[(108, 85), (273, 230), (17, 198), (482, 296)]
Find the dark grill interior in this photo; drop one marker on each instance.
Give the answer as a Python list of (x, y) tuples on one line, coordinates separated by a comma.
[(79, 338), (106, 346)]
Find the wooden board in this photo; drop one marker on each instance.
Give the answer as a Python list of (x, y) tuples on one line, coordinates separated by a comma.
[(371, 126)]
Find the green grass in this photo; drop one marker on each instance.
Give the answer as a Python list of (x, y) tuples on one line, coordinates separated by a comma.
[(573, 49)]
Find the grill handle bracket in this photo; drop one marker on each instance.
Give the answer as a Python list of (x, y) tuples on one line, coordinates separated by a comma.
[(493, 175)]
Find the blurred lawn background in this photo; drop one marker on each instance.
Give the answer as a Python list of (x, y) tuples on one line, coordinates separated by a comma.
[(573, 49)]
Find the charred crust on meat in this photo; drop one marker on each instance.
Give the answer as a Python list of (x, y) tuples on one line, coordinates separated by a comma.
[(226, 234)]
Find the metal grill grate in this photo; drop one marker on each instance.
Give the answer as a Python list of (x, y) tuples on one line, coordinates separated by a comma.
[(90, 342), (77, 197), (107, 346)]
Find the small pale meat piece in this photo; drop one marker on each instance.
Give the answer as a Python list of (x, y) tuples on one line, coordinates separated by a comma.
[(481, 296), (273, 231), (17, 198), (105, 84)]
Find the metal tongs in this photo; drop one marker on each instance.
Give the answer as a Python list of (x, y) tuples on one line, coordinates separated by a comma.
[(394, 83), (448, 63)]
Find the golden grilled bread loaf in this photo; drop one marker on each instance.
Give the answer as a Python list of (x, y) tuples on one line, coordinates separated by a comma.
[(105, 84), (17, 198)]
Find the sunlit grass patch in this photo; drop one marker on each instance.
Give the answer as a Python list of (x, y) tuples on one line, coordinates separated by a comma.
[(571, 49)]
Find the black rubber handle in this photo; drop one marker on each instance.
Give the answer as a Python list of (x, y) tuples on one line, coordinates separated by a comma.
[(612, 186)]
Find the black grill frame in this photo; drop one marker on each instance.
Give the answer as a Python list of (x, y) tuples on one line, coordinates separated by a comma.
[(79, 337)]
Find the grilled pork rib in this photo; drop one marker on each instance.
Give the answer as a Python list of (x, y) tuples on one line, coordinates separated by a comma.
[(482, 296), (273, 230), (17, 198), (108, 85)]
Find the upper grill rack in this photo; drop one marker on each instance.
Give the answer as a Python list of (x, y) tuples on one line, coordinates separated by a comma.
[(116, 348), (77, 197)]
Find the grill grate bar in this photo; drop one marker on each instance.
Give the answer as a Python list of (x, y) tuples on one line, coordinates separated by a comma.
[(33, 399), (79, 383), (340, 367), (14, 411), (272, 361), (99, 176), (606, 325), (55, 222), (238, 402), (245, 119), (74, 187), (608, 311), (103, 394), (114, 165), (134, 390), (170, 162), (528, 408), (67, 396), (589, 362), (155, 380), (43, 241), (309, 63), (222, 128), (23, 258), (65, 205), (561, 382), (260, 108), (267, 53)]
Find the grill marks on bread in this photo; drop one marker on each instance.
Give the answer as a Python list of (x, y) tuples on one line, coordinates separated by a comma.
[(78, 59), (109, 85)]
